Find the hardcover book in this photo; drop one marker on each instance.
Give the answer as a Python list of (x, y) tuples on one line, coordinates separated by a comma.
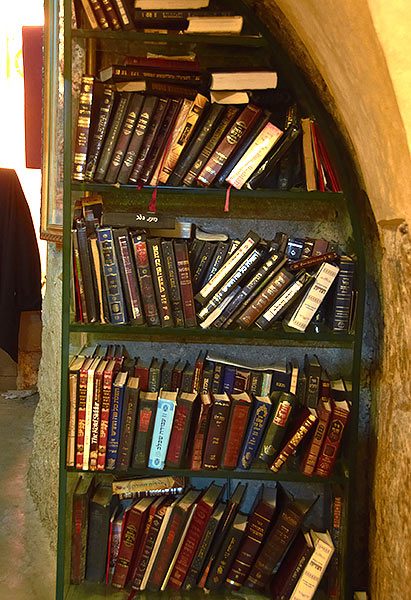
[(332, 441), (184, 278), (111, 275), (83, 127), (284, 404), (315, 567), (108, 377), (291, 567), (116, 413), (144, 429), (324, 410), (176, 453), (167, 249), (74, 374), (97, 545), (145, 279), (86, 275), (128, 277), (255, 431), (81, 498), (306, 421), (97, 135), (201, 431), (216, 431), (240, 410), (339, 315), (312, 369), (154, 375), (111, 137), (166, 406), (89, 412), (159, 280), (96, 413), (128, 424)]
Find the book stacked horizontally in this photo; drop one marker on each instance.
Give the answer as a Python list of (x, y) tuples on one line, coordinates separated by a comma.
[(214, 414), (164, 277), (198, 539)]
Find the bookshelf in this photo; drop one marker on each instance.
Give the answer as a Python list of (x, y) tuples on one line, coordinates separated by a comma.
[(261, 205)]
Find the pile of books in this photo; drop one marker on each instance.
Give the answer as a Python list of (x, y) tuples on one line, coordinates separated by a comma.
[(200, 539), (215, 414), (124, 275)]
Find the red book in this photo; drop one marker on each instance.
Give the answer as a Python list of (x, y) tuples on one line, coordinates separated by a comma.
[(96, 412), (186, 288), (143, 538), (198, 371), (306, 421), (81, 415), (217, 428), (199, 521), (134, 525), (200, 432), (237, 425), (324, 414), (180, 429), (105, 413), (141, 370), (145, 279), (332, 441)]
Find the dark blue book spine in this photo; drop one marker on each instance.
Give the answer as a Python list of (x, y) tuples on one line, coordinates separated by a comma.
[(111, 276), (340, 312), (255, 432), (281, 381), (228, 379), (116, 415)]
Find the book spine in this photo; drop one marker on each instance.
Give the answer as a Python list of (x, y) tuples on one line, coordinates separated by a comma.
[(184, 276), (129, 123), (178, 439), (113, 439), (230, 265), (149, 545), (216, 434), (335, 572), (128, 541), (145, 280), (100, 294), (227, 118), (95, 420), (313, 572), (228, 145), (71, 428), (124, 14), (111, 15), (161, 433), (112, 137), (290, 570), (313, 451), (154, 125), (83, 127), (127, 430), (251, 159), (201, 554), (200, 436), (163, 64), (277, 427), (167, 548), (104, 419), (100, 14), (236, 430), (91, 17), (88, 417), (218, 260), (224, 559), (79, 538), (143, 434), (194, 147), (332, 442), (340, 312), (160, 287), (86, 273), (96, 560), (255, 432), (134, 73), (96, 141), (111, 275), (293, 442), (78, 279), (202, 264), (172, 277), (268, 295), (129, 278), (177, 147)]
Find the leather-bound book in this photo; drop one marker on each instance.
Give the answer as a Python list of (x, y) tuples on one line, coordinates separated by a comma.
[(181, 427), (83, 127), (81, 498), (159, 280), (130, 539), (97, 134), (305, 422), (128, 424), (141, 370), (258, 525), (98, 530), (236, 428), (112, 136), (328, 454), (116, 413), (284, 405), (96, 413), (108, 376), (227, 146), (74, 374), (144, 429), (124, 14), (184, 278), (291, 567), (128, 276), (97, 6), (201, 431), (87, 275), (285, 528), (214, 444), (111, 274), (202, 514), (257, 425), (111, 14), (145, 279), (324, 410), (81, 412), (167, 249)]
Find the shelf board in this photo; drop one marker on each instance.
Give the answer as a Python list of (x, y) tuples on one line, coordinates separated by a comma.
[(273, 337), (257, 473), (256, 41)]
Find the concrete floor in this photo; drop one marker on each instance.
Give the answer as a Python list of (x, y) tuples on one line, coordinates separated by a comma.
[(27, 564)]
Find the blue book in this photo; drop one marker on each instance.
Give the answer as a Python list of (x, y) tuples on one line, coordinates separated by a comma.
[(163, 423), (255, 432), (115, 418), (111, 276), (341, 302), (228, 379), (281, 377)]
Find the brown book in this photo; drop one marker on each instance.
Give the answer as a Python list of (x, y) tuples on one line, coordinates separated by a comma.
[(130, 539), (217, 428), (91, 17), (81, 412), (270, 292), (184, 277), (96, 413), (128, 424), (237, 425), (180, 430), (258, 525), (201, 431), (81, 497), (83, 127), (306, 420), (144, 429), (198, 371), (286, 526), (227, 146), (332, 441), (98, 9), (105, 413), (159, 281), (313, 449), (111, 15)]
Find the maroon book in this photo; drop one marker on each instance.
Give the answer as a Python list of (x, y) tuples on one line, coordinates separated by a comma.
[(129, 540), (145, 279), (291, 567), (214, 444), (198, 371), (201, 516), (81, 498), (163, 64), (141, 370), (237, 425), (180, 430), (200, 432), (143, 539), (186, 288)]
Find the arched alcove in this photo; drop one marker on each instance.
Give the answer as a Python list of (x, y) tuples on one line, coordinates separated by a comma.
[(345, 52)]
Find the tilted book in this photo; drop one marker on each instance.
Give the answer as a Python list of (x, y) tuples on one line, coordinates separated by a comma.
[(201, 431), (332, 441), (291, 567), (255, 431), (166, 406), (111, 137), (284, 404), (147, 486), (306, 421), (128, 277)]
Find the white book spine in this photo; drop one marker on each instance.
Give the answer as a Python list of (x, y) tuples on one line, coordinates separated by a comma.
[(313, 572), (313, 298)]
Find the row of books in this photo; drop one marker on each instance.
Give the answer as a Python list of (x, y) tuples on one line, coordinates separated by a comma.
[(199, 539), (151, 16), (215, 414)]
